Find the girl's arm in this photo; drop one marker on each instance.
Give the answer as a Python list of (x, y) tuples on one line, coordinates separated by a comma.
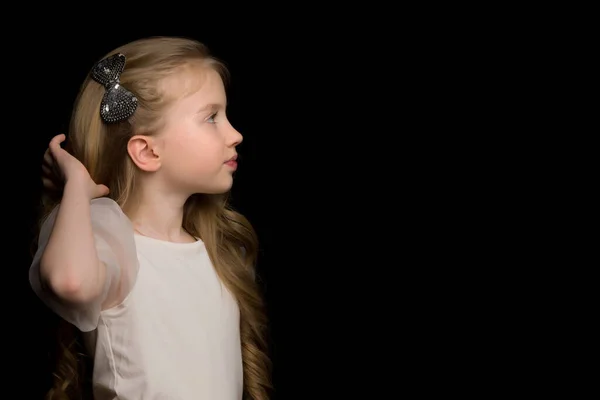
[(69, 265), (86, 258)]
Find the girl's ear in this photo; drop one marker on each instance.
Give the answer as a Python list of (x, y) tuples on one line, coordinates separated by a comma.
[(143, 150)]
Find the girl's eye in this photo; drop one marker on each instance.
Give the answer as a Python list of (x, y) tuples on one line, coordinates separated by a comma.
[(211, 119)]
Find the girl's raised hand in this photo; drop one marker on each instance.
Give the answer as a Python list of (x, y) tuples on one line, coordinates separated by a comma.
[(61, 168)]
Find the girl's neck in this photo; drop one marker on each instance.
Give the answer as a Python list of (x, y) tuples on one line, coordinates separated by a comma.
[(159, 217)]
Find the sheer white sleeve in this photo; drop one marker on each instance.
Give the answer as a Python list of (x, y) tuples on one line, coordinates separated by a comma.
[(115, 245)]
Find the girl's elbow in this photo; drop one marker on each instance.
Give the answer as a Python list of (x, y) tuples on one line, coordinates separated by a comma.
[(71, 287)]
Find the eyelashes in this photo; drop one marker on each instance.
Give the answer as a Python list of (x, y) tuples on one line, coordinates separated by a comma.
[(211, 119)]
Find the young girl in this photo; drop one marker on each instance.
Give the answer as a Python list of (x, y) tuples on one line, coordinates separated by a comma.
[(143, 255)]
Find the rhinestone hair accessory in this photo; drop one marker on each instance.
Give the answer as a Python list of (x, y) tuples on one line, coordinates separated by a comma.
[(118, 103)]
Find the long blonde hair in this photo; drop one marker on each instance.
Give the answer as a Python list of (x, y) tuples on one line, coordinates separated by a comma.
[(229, 238)]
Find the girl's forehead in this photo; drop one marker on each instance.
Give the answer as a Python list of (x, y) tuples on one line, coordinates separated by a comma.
[(189, 79)]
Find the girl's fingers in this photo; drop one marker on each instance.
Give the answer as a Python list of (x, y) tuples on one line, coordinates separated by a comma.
[(48, 157), (48, 184), (55, 144), (46, 170)]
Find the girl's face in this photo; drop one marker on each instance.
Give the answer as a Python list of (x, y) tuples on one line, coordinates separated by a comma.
[(198, 144)]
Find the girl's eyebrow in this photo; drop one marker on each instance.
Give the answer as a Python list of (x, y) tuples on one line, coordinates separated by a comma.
[(211, 106)]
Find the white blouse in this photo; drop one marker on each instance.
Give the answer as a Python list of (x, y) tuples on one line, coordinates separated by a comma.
[(176, 334)]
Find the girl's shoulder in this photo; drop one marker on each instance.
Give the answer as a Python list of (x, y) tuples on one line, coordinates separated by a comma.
[(105, 211), (108, 205)]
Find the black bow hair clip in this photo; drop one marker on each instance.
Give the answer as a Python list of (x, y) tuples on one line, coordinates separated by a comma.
[(118, 103)]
